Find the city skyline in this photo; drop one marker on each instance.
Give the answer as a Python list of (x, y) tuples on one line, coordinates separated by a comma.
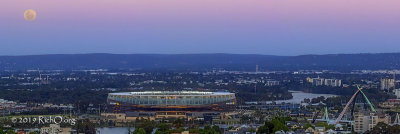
[(186, 27)]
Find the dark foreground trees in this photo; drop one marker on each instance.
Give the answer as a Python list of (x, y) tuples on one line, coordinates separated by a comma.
[(382, 128), (276, 124)]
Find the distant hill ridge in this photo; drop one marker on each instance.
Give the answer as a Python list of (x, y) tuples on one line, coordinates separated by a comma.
[(201, 61)]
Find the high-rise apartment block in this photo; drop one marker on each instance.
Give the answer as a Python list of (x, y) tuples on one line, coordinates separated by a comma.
[(387, 84), (325, 82)]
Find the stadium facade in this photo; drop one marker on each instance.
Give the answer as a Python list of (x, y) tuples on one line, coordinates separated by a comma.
[(177, 101)]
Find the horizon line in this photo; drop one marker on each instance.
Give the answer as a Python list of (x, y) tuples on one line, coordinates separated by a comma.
[(195, 54)]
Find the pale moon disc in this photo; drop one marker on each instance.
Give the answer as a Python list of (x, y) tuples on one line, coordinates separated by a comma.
[(30, 15)]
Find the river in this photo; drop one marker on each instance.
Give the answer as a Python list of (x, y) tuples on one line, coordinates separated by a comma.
[(299, 96), (113, 130)]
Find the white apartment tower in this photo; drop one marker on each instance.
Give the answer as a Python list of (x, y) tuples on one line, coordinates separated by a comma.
[(387, 84)]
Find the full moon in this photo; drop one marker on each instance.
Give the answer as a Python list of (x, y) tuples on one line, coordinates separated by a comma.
[(30, 15)]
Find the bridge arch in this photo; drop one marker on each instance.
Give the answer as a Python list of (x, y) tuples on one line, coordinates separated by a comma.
[(352, 99)]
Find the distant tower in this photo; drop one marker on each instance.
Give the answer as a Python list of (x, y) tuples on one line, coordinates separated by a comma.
[(394, 79), (40, 77), (387, 83), (40, 74), (256, 68)]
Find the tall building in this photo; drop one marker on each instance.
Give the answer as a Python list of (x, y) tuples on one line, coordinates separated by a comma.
[(364, 121), (309, 80), (387, 84), (333, 82), (325, 82), (272, 83), (318, 81)]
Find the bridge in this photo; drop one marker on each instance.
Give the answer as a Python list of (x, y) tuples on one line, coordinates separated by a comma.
[(352, 99), (339, 119)]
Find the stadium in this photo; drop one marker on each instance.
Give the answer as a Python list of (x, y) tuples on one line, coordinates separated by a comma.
[(185, 101)]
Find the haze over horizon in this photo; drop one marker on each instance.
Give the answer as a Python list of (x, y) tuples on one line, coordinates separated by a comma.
[(194, 54), (268, 27)]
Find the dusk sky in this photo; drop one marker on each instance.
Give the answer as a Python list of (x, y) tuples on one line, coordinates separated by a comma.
[(272, 27)]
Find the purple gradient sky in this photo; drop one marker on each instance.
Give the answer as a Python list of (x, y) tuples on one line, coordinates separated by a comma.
[(276, 27)]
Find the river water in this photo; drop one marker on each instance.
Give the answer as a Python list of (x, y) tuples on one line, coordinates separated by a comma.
[(113, 130), (299, 96)]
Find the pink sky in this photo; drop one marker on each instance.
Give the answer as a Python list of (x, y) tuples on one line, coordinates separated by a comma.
[(263, 23)]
